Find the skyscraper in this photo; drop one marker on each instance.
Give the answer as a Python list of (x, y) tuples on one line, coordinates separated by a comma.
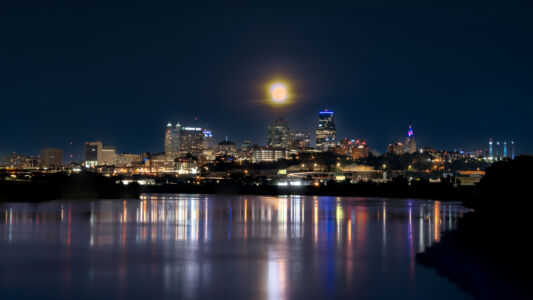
[(410, 143), (51, 157), (278, 134), (191, 141), (299, 140), (325, 131), (172, 142)]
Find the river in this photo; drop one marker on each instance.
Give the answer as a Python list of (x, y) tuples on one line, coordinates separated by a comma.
[(224, 247)]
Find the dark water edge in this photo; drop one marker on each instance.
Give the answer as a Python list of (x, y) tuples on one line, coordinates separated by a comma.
[(490, 253), (89, 186), (482, 260)]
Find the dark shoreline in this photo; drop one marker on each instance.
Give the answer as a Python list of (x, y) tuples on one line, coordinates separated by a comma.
[(91, 186), (489, 255), (480, 268)]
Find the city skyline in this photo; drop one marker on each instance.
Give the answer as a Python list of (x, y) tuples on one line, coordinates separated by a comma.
[(75, 153), (180, 140)]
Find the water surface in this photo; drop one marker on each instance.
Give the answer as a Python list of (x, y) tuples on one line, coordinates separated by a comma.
[(225, 247)]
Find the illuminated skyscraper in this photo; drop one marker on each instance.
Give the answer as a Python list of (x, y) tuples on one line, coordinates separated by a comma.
[(172, 142), (512, 149), (191, 141), (278, 134), (410, 143), (208, 148), (325, 132)]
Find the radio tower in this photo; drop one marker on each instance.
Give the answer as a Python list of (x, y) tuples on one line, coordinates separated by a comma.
[(490, 148)]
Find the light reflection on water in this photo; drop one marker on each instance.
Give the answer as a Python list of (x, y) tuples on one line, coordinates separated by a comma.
[(205, 246)]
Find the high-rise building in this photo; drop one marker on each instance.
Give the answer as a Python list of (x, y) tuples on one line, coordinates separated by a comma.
[(182, 140), (512, 149), (299, 140), (245, 145), (172, 142), (410, 143), (51, 157), (396, 148), (326, 132), (278, 134), (108, 155), (208, 148), (93, 154), (191, 141)]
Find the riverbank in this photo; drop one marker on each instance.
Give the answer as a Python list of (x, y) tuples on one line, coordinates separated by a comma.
[(489, 255), (481, 261), (61, 186), (93, 186)]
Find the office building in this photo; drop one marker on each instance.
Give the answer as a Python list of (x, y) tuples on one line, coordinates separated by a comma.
[(191, 141), (278, 134), (353, 148), (51, 157), (299, 140), (93, 154), (182, 140), (108, 155), (245, 145), (172, 142), (396, 148), (410, 143), (127, 159), (326, 132)]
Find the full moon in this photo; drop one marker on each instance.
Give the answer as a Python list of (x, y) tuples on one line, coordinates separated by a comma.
[(278, 92)]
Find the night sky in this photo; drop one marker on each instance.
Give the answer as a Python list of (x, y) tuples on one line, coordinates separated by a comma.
[(459, 71)]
